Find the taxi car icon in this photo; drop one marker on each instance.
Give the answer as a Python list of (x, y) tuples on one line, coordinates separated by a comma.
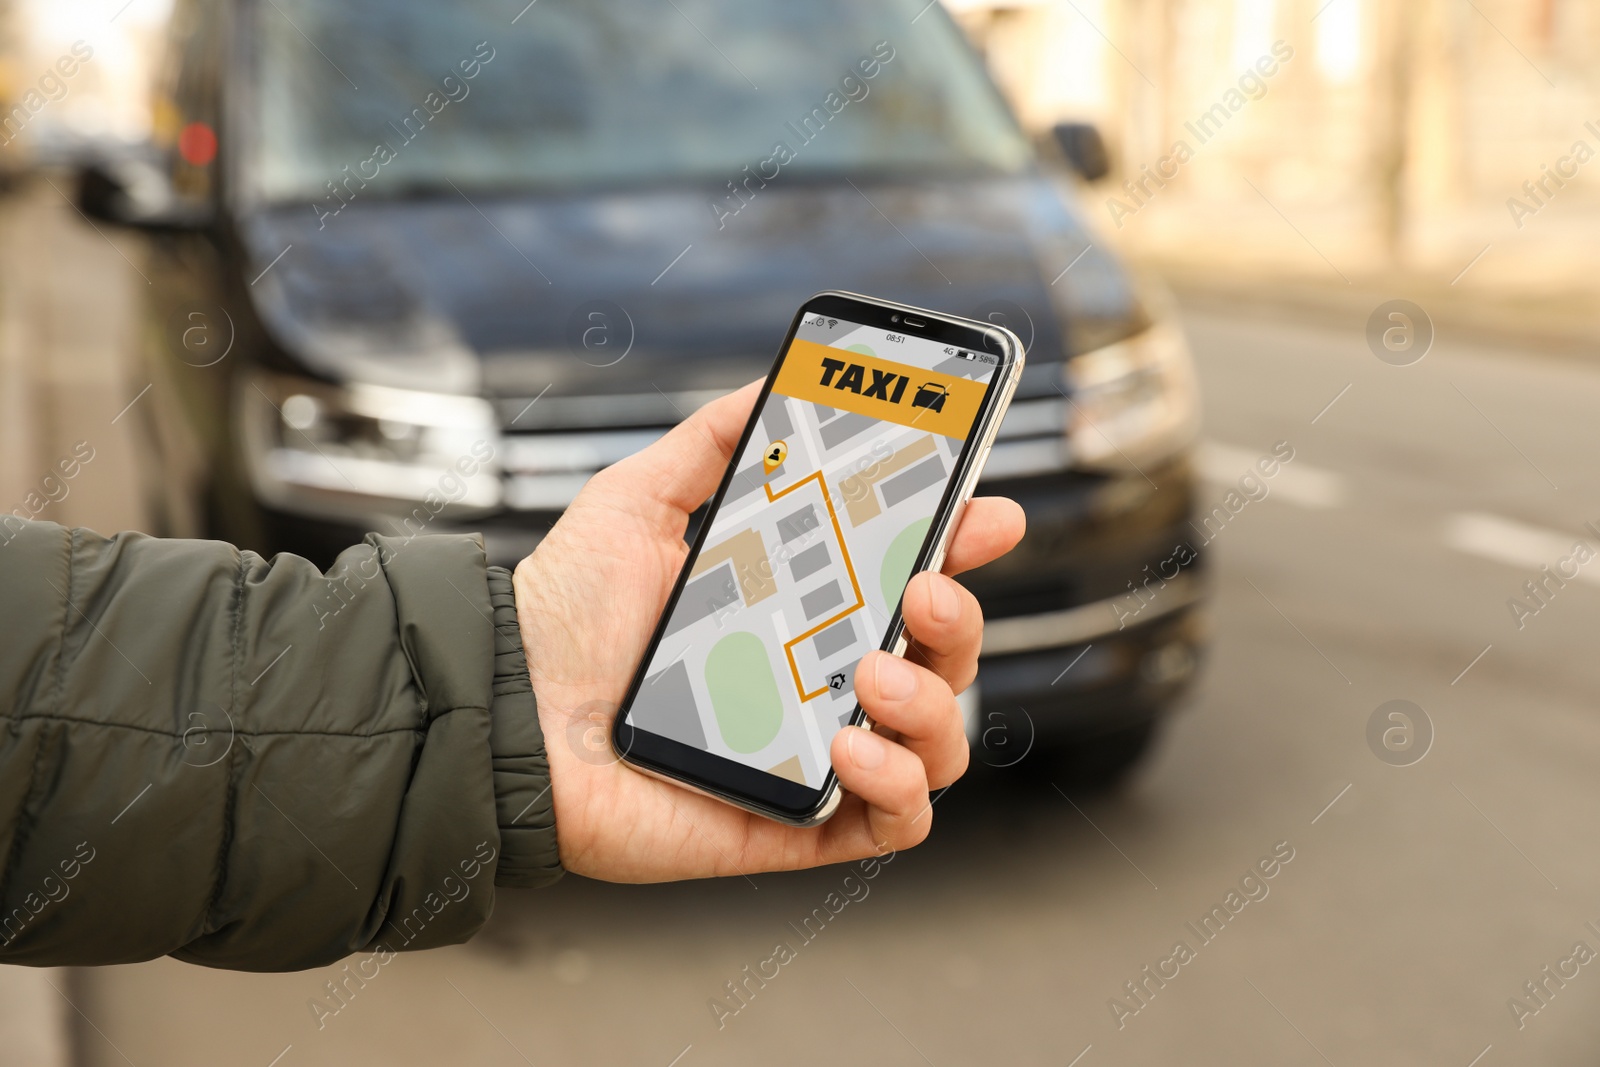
[(930, 395)]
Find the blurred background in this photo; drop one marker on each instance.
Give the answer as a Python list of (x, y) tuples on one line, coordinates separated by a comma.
[(1307, 446)]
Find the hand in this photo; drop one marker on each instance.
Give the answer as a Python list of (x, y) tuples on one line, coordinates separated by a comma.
[(587, 603)]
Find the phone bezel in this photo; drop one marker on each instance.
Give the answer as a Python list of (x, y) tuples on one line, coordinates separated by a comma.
[(739, 783)]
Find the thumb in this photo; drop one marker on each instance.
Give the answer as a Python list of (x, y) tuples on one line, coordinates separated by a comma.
[(681, 470)]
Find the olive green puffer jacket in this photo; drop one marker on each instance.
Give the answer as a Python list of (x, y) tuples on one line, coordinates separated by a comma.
[(246, 763)]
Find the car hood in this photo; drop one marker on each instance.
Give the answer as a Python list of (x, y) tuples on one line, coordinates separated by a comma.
[(628, 290)]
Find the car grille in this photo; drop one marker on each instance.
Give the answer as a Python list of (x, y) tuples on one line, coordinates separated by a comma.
[(1048, 594), (551, 446)]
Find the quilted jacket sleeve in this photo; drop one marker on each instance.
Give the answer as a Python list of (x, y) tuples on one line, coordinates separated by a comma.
[(247, 763)]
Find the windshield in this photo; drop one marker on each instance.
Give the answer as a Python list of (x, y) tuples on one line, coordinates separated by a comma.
[(415, 95)]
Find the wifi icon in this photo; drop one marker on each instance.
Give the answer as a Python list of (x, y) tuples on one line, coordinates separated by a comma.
[(832, 323)]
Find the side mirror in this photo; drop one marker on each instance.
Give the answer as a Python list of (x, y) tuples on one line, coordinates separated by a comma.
[(1084, 148), (136, 193)]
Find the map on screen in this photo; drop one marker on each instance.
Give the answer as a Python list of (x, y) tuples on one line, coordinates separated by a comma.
[(804, 564)]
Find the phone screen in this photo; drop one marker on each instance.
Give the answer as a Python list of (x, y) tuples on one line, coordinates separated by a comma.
[(802, 569)]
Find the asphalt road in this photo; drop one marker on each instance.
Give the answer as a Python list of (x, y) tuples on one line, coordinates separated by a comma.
[(1407, 905)]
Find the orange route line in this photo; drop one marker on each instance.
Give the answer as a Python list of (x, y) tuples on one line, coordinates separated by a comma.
[(860, 603)]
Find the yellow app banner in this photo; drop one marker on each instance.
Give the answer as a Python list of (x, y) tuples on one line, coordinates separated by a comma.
[(881, 389)]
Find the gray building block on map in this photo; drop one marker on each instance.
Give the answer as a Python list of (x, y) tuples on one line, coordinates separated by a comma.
[(798, 524), (775, 420), (835, 639), (805, 564), (820, 600), (913, 480), (749, 480), (665, 705), (845, 427), (704, 596)]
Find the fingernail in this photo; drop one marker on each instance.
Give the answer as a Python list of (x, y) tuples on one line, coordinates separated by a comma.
[(895, 678), (867, 749), (942, 599)]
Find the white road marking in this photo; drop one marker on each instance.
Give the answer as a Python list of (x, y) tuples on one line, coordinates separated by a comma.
[(1295, 482), (1513, 543)]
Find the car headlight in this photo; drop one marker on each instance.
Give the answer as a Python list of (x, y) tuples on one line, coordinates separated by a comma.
[(357, 451), (1131, 403)]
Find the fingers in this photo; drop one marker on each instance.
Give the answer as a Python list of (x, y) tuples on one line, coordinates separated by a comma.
[(889, 781), (946, 627), (942, 617), (682, 470), (990, 527), (890, 808), (919, 707)]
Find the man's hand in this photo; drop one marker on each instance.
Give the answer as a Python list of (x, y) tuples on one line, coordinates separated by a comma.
[(588, 600)]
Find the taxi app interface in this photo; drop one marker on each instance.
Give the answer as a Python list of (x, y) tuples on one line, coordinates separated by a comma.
[(807, 557)]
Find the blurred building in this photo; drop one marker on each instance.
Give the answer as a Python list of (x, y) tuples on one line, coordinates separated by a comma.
[(1391, 135), (75, 75)]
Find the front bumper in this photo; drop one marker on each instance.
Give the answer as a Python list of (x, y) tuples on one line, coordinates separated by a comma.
[(1090, 624), (1120, 679)]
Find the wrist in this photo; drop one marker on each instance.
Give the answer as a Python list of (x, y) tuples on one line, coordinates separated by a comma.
[(524, 808)]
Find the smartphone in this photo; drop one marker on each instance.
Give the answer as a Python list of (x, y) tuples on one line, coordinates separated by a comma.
[(865, 445)]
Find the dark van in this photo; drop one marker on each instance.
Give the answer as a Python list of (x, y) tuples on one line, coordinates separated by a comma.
[(425, 267)]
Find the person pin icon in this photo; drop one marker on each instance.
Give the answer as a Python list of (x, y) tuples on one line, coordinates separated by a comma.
[(773, 458)]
